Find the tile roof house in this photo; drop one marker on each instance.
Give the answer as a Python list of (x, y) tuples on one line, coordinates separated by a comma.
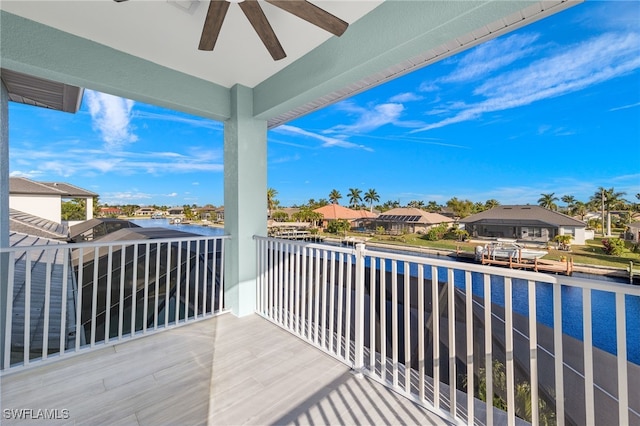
[(110, 211), (524, 223), (43, 199), (409, 219), (336, 212), (175, 211), (145, 211)]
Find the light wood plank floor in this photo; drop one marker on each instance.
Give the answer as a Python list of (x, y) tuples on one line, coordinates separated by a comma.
[(221, 371)]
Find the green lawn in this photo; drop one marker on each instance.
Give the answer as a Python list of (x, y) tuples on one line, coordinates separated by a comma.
[(593, 254)]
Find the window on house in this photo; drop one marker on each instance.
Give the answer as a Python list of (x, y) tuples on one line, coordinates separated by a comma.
[(531, 232)]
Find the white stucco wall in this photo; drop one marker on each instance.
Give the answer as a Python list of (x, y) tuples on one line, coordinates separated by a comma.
[(579, 234), (45, 206)]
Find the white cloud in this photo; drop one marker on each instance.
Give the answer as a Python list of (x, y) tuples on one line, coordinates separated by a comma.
[(428, 86), (405, 97), (29, 175), (286, 159), (637, 104), (326, 140), (372, 118), (491, 56), (127, 197), (111, 117), (59, 167), (104, 165), (579, 66), (93, 162), (175, 118)]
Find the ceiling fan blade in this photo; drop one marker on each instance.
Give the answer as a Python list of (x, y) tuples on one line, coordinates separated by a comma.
[(313, 14), (213, 24), (259, 21)]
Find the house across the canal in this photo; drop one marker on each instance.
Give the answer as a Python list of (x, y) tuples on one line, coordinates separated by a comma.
[(524, 223)]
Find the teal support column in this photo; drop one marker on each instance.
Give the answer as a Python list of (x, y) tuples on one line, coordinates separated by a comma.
[(245, 199), (4, 210)]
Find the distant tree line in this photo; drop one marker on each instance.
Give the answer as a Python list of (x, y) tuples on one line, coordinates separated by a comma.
[(604, 200)]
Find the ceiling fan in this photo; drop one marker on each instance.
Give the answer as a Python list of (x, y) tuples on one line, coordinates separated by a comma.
[(253, 11)]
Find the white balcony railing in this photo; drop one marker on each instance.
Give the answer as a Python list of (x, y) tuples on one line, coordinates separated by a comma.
[(544, 348), (68, 298)]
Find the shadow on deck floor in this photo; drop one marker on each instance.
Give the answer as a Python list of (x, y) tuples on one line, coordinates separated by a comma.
[(220, 371)]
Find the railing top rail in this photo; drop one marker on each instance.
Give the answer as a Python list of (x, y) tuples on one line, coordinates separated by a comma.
[(337, 249), (100, 244)]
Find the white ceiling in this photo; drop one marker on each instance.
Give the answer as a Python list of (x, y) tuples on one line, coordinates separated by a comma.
[(167, 32)]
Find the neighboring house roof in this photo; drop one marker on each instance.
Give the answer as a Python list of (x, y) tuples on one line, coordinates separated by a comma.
[(70, 190), (46, 266), (336, 211), (35, 226), (20, 185), (24, 186), (506, 215), (413, 215)]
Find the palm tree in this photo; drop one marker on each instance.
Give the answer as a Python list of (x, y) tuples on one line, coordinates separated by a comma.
[(570, 201), (491, 204), (607, 199), (388, 205), (548, 201), (433, 207), (334, 196), (306, 214), (354, 197), (579, 209), (370, 197), (271, 199)]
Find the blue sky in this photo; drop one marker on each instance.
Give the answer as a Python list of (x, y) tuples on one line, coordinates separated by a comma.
[(552, 107)]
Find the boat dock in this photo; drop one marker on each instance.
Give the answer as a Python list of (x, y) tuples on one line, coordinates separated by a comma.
[(298, 236), (537, 265)]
